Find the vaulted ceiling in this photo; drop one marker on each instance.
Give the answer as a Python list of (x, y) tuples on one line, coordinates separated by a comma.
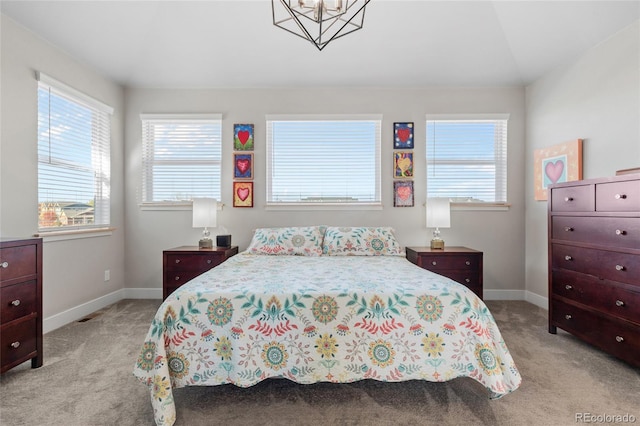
[(197, 44)]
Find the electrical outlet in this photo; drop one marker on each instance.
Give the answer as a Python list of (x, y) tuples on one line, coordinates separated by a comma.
[(107, 274)]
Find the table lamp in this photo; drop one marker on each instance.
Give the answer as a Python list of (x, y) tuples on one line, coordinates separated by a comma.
[(438, 216), (205, 211)]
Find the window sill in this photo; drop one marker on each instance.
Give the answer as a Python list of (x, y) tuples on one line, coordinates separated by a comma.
[(323, 206), (481, 206), (74, 234)]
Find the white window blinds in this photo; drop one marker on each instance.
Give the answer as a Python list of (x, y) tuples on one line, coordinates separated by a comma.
[(323, 160), (74, 166), (467, 158), (181, 157)]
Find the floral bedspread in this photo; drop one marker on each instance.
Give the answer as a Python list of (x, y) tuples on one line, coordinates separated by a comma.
[(320, 319)]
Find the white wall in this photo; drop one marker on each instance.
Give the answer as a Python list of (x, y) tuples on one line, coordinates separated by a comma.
[(597, 99), (73, 269), (499, 234)]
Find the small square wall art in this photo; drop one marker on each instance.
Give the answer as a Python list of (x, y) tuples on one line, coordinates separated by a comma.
[(242, 194), (403, 193), (403, 135), (243, 166), (556, 164), (402, 165), (243, 137)]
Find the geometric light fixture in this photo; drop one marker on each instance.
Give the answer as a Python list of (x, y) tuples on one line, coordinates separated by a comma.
[(319, 21)]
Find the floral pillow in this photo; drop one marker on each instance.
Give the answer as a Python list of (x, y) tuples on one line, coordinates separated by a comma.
[(363, 241), (301, 241)]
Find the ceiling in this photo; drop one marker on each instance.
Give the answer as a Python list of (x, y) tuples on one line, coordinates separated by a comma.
[(197, 44)]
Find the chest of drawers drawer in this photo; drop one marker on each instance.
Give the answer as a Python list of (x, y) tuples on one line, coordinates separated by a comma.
[(17, 262), (617, 299), (618, 196), (607, 231), (617, 337), (18, 341), (612, 265), (573, 199)]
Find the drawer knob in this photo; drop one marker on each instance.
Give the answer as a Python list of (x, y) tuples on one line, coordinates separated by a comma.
[(4, 264), (619, 303), (16, 302), (177, 260), (619, 268), (619, 339), (621, 232), (568, 287), (567, 257), (568, 316), (467, 263), (568, 199), (568, 228), (467, 280), (621, 196), (15, 345), (434, 263), (177, 278), (208, 261)]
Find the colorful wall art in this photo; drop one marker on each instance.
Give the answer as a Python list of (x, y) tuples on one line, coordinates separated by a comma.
[(242, 194), (556, 164), (243, 137), (242, 166), (403, 193)]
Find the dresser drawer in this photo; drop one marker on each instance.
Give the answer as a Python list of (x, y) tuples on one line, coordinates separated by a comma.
[(621, 232), (190, 262), (619, 338), (18, 300), (618, 196), (18, 342), (438, 263), (615, 266), (606, 296), (573, 199), (17, 262)]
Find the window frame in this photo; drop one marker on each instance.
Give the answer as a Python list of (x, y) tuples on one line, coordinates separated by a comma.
[(100, 122), (147, 164), (501, 176), (375, 204)]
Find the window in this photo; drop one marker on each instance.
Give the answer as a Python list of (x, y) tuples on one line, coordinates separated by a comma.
[(467, 158), (181, 157), (74, 165), (324, 160)]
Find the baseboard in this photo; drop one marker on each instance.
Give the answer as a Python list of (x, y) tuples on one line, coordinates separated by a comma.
[(503, 294), (540, 301), (63, 318), (143, 293)]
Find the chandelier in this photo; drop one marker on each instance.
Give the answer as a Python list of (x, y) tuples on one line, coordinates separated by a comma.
[(319, 21)]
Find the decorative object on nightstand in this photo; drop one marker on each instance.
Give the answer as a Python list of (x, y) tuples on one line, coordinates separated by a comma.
[(205, 212), (438, 216), (461, 264), (182, 264)]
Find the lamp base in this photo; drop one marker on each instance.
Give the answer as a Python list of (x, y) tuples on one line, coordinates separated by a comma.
[(205, 243), (437, 244)]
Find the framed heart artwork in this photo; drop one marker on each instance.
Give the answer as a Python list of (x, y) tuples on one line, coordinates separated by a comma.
[(403, 135), (403, 193), (242, 194), (556, 164), (243, 166), (243, 137), (402, 165)]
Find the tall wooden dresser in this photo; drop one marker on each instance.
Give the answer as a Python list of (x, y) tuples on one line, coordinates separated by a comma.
[(594, 263), (20, 302)]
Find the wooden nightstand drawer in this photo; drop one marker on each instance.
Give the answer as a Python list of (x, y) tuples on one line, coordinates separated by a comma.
[(17, 262), (190, 262), (461, 264), (18, 300)]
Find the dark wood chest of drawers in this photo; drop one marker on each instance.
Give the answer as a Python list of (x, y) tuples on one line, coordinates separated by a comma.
[(182, 264), (461, 264), (20, 302), (594, 263)]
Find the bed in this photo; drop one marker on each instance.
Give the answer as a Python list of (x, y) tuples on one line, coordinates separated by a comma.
[(320, 304)]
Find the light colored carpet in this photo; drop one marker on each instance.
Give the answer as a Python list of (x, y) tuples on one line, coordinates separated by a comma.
[(87, 379)]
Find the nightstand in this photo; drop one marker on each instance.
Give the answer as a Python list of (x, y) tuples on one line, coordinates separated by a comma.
[(182, 264), (461, 264)]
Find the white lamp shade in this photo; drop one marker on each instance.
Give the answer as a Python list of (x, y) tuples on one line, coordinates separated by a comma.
[(205, 212), (438, 213)]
